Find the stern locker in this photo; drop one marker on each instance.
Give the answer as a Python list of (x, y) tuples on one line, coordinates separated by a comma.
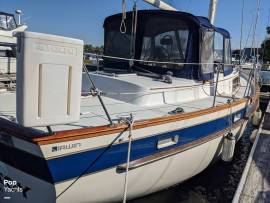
[(48, 79)]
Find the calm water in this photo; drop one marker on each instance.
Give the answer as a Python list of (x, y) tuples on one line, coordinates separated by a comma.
[(217, 183)]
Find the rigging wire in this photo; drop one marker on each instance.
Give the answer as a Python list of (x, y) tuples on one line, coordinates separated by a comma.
[(123, 28), (129, 122), (268, 21), (133, 33), (242, 22), (254, 26), (90, 165), (246, 42), (253, 44)]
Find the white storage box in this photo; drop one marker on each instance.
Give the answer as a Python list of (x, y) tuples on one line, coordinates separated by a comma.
[(49, 75)]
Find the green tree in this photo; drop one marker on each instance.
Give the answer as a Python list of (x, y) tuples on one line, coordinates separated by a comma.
[(266, 47), (266, 50), (89, 48)]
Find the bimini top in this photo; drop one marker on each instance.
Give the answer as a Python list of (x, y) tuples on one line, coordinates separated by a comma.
[(163, 36), (144, 14), (200, 21)]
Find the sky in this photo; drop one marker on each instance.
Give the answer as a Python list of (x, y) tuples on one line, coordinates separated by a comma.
[(83, 19)]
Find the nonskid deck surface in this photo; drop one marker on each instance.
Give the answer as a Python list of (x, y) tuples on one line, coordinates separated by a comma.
[(92, 113), (154, 83)]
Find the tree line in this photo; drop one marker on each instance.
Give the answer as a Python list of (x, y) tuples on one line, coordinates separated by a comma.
[(266, 47), (89, 48)]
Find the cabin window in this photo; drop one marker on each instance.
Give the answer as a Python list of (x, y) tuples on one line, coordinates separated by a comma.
[(227, 57), (166, 43), (207, 54), (227, 50), (218, 51), (118, 44)]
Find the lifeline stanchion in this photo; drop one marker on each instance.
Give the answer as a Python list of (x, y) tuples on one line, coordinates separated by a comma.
[(98, 95), (97, 59), (215, 95)]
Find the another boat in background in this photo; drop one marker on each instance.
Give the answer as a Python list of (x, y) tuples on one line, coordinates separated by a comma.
[(265, 69), (92, 61), (8, 43)]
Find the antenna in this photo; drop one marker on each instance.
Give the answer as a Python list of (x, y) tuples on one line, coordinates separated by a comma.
[(268, 24), (19, 12)]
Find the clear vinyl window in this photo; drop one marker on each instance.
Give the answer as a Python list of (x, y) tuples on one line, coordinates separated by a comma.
[(167, 43), (118, 44), (227, 51), (207, 51), (219, 49), (7, 22)]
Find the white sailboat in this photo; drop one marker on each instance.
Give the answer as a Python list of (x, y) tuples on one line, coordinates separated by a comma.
[(8, 26), (162, 109)]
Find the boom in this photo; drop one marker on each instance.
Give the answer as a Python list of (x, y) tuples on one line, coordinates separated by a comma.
[(161, 5)]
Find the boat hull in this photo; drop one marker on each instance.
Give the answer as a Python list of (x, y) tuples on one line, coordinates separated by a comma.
[(88, 169), (108, 185)]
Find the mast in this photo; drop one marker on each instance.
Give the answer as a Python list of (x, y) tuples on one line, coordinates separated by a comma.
[(19, 12), (212, 10), (161, 5), (164, 6)]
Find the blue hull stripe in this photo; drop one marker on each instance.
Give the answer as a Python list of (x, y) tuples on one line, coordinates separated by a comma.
[(71, 166)]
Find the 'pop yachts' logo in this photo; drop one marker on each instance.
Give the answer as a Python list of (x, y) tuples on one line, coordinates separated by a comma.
[(13, 186), (65, 147)]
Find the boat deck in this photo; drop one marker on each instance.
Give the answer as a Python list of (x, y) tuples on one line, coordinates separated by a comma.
[(92, 113)]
